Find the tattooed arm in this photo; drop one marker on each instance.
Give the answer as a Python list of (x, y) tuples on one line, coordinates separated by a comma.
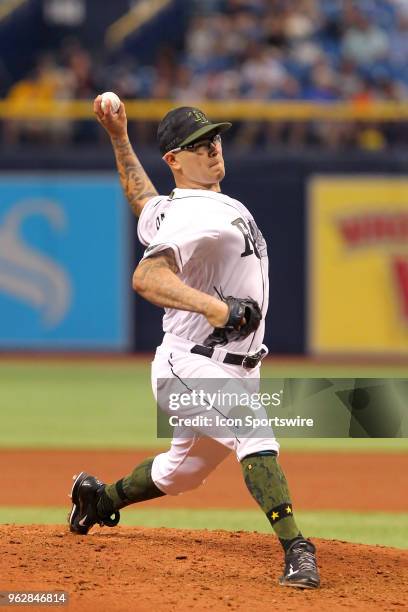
[(136, 184), (156, 279)]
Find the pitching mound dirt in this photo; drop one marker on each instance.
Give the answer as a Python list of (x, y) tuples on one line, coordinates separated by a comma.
[(168, 569)]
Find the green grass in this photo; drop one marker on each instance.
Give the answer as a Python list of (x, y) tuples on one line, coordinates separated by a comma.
[(368, 528), (110, 405), (76, 405)]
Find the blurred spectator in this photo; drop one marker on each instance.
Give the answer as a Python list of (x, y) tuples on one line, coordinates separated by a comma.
[(185, 86), (371, 138), (312, 50), (323, 83), (349, 80), (363, 42), (79, 65), (45, 83), (262, 73), (398, 53), (302, 19)]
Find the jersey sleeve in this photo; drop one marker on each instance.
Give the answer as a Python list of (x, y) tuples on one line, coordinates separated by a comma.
[(184, 232), (146, 226)]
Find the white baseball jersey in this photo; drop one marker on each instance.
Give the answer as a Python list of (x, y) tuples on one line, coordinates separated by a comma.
[(217, 245)]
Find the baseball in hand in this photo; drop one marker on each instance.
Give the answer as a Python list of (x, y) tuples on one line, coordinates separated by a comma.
[(113, 99)]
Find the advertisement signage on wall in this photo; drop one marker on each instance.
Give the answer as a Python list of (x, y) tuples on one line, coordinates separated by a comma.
[(358, 265), (64, 263)]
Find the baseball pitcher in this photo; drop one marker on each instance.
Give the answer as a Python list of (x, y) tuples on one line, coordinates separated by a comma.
[(206, 264)]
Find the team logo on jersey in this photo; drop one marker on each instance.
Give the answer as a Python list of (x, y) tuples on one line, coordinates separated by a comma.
[(255, 243), (28, 275), (258, 238)]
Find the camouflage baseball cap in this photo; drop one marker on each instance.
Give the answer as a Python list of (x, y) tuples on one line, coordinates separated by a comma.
[(185, 125)]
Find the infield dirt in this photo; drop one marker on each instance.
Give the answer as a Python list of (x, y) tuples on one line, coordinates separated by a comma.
[(130, 569), (138, 569), (318, 481)]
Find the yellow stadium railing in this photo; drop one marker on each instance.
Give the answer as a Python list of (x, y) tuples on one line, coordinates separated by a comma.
[(135, 18), (238, 110), (8, 6)]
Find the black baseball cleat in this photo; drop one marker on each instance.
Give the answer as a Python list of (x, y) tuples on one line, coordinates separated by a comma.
[(85, 494), (300, 566)]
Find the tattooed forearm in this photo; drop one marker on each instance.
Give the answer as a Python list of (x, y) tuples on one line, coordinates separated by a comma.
[(136, 184), (155, 279)]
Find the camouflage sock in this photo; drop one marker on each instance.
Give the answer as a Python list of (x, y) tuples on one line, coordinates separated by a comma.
[(136, 487), (267, 484)]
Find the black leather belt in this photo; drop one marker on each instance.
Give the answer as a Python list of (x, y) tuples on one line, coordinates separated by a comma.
[(246, 361)]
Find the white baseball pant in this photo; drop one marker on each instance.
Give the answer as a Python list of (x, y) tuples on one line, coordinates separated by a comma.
[(193, 455)]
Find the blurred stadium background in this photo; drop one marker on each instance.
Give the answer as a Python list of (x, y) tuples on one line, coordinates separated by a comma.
[(317, 91)]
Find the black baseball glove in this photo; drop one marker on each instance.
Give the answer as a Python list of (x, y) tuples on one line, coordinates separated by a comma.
[(244, 318)]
